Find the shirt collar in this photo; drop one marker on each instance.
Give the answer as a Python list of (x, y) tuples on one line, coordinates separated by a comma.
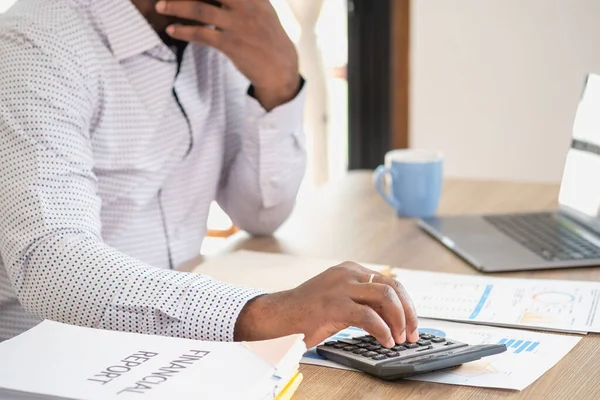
[(127, 31)]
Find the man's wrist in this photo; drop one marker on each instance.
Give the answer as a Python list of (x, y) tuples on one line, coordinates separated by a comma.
[(260, 319), (272, 97), (246, 324)]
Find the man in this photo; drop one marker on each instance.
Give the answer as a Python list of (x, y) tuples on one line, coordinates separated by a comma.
[(116, 136)]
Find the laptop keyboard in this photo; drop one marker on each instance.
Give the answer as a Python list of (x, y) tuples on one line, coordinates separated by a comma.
[(545, 236)]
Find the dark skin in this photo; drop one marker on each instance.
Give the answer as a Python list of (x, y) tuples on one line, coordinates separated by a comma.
[(250, 34), (157, 21), (247, 32), (334, 300)]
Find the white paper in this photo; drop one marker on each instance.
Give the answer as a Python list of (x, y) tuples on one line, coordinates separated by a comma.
[(65, 361), (528, 357), (563, 306)]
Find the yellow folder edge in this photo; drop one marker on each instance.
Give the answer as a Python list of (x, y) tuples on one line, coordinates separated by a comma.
[(289, 390)]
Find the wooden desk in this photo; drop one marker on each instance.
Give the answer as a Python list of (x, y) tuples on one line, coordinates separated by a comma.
[(348, 220)]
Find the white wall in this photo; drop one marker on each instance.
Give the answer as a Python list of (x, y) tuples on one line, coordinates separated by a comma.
[(495, 83)]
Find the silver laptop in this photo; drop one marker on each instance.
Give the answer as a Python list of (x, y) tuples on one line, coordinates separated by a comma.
[(568, 237)]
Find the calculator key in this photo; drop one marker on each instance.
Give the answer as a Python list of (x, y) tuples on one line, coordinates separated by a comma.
[(349, 341), (339, 345), (399, 347), (329, 344), (422, 342), (384, 351), (379, 357), (360, 351), (366, 339), (438, 340), (425, 348), (411, 345), (374, 347), (363, 345), (426, 336), (392, 354), (369, 354), (349, 348)]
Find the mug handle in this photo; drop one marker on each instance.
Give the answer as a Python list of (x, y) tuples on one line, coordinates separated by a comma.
[(379, 174)]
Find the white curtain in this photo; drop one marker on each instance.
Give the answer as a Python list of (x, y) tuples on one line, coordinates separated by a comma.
[(307, 14)]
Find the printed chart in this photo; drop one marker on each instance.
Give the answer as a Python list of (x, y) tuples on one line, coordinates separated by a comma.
[(529, 355), (566, 306), (518, 346)]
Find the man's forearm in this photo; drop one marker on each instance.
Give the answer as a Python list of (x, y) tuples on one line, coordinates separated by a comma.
[(85, 282)]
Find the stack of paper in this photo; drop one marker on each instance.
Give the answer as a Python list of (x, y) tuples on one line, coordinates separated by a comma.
[(59, 361)]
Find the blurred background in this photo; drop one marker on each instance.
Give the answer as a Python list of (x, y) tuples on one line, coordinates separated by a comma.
[(6, 4), (493, 84)]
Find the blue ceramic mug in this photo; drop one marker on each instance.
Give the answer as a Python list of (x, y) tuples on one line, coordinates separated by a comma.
[(415, 181)]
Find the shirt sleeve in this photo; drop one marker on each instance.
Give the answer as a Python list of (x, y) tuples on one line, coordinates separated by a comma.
[(265, 158), (50, 228)]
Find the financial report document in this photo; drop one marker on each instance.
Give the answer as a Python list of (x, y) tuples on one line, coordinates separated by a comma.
[(564, 306)]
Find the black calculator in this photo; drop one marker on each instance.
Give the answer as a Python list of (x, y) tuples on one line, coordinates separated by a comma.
[(430, 353)]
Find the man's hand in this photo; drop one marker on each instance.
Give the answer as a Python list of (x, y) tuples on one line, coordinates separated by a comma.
[(338, 298), (250, 34)]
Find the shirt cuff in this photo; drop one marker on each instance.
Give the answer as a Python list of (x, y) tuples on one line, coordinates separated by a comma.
[(278, 139), (287, 117), (217, 312)]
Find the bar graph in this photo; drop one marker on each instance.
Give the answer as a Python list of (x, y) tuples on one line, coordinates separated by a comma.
[(519, 346), (533, 318)]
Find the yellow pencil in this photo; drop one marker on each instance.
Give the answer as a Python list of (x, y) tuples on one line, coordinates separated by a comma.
[(291, 387)]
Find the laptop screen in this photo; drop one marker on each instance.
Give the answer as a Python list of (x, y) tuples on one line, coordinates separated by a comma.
[(580, 188)]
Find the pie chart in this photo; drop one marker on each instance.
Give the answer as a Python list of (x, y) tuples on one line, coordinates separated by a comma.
[(553, 297)]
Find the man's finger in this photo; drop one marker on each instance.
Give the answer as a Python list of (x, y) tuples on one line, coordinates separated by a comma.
[(384, 300), (197, 11), (366, 318), (197, 34), (227, 3), (410, 313)]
